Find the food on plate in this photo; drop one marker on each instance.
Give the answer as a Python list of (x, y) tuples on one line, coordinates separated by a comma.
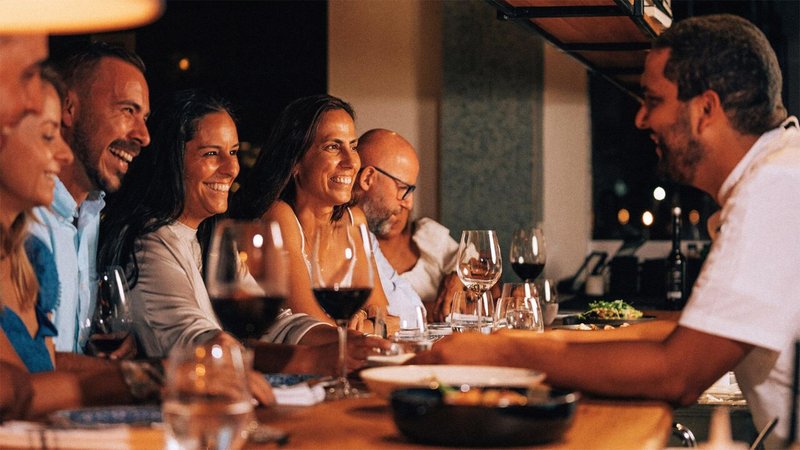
[(593, 327), (613, 310), (485, 397)]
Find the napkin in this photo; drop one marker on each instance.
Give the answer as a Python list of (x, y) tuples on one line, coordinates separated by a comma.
[(18, 434), (300, 394)]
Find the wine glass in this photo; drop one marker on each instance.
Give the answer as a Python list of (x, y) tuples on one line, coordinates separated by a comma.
[(111, 321), (528, 252), (479, 266), (342, 280), (548, 299), (206, 398), (247, 276)]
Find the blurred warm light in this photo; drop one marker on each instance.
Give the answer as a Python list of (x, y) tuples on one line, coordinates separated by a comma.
[(76, 16), (647, 218), (183, 64), (623, 216), (694, 217), (659, 193)]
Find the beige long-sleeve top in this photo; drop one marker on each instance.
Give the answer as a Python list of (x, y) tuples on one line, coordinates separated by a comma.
[(170, 305)]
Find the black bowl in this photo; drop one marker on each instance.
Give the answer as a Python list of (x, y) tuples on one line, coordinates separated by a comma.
[(423, 417)]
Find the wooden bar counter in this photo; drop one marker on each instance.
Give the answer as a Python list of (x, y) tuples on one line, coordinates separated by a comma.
[(367, 423)]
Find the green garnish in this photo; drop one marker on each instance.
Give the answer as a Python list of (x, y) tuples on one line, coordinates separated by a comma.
[(614, 310)]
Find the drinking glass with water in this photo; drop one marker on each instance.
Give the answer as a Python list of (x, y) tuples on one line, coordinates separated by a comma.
[(207, 404), (472, 312), (519, 307)]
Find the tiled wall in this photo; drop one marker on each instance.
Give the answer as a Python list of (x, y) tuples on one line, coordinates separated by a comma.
[(490, 135)]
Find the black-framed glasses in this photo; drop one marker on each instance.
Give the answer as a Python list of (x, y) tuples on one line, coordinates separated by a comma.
[(403, 189)]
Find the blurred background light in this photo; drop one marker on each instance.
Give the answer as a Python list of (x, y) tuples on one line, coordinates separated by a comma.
[(76, 16)]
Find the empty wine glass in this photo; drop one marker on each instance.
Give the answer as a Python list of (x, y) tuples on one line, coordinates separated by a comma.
[(479, 266), (111, 321), (519, 308), (528, 252), (247, 276), (206, 399), (342, 279)]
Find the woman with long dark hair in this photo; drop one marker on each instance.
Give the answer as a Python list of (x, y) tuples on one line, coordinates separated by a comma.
[(303, 179), (155, 224)]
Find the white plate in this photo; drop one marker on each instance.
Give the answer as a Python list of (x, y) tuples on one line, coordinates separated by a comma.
[(393, 360), (383, 380)]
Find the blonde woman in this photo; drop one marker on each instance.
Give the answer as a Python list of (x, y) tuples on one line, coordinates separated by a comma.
[(32, 155)]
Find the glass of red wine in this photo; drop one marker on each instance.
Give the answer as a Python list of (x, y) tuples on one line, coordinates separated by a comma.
[(342, 279), (111, 321), (528, 252), (247, 276)]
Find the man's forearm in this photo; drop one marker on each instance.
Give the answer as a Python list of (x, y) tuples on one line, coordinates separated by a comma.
[(662, 370)]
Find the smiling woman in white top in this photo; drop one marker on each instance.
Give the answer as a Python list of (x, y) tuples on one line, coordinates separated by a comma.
[(303, 179)]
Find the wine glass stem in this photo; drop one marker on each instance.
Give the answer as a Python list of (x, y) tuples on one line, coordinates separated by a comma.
[(342, 329), (478, 291)]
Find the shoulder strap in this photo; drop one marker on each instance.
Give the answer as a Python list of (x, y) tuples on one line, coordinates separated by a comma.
[(302, 235)]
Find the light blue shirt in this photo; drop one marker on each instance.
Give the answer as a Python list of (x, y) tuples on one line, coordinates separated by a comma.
[(71, 231), (400, 294)]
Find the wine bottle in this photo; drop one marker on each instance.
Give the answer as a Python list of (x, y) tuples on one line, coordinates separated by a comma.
[(676, 266)]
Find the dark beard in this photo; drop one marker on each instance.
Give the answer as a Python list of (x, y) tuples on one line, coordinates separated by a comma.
[(679, 161), (80, 147)]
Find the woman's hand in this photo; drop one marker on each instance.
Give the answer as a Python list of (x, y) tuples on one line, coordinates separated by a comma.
[(361, 322), (444, 300), (126, 350), (364, 322), (260, 388), (324, 359)]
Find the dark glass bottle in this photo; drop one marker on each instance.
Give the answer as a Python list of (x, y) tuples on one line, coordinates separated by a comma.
[(676, 266)]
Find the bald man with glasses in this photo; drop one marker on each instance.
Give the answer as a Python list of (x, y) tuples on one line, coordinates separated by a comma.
[(421, 251)]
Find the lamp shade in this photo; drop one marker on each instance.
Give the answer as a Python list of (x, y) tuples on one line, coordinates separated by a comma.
[(76, 16)]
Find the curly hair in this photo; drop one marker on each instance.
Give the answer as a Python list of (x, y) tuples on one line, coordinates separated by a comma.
[(730, 56)]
